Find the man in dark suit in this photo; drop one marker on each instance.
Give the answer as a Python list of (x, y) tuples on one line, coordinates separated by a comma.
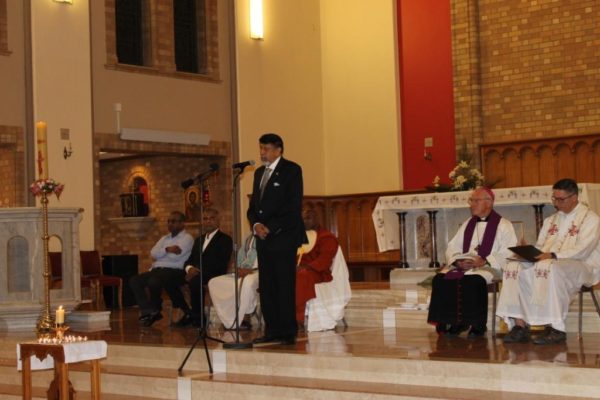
[(216, 253), (275, 213)]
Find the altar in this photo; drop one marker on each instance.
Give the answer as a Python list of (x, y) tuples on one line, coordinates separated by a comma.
[(420, 225), (22, 264)]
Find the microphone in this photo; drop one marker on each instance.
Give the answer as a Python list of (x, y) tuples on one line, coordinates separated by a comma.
[(214, 167), (242, 165)]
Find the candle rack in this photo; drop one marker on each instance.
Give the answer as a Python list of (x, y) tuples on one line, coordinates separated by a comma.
[(59, 331)]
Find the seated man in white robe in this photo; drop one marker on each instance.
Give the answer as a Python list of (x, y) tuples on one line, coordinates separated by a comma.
[(540, 293), (222, 288)]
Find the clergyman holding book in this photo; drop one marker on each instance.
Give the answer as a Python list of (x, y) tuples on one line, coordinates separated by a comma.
[(475, 256), (539, 293)]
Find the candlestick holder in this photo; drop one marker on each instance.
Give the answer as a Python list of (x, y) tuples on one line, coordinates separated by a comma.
[(46, 321), (59, 331), (44, 187)]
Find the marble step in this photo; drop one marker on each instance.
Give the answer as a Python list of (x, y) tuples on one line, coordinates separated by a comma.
[(377, 308), (14, 391), (260, 387), (145, 382), (146, 377), (527, 378), (400, 366)]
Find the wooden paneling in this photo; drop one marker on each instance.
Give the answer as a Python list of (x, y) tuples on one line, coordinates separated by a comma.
[(349, 218), (530, 160), (596, 164), (542, 161)]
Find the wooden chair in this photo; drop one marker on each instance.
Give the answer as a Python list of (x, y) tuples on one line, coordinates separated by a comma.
[(494, 288), (55, 259), (590, 290), (92, 277)]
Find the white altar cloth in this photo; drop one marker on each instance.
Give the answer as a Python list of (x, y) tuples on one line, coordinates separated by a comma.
[(453, 210), (74, 352)]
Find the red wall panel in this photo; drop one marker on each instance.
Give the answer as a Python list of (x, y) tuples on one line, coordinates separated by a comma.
[(427, 107)]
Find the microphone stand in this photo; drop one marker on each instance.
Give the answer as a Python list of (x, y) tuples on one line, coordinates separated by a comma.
[(202, 335), (237, 344)]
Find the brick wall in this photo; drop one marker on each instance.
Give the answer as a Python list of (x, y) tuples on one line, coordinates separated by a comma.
[(12, 153), (525, 69), (163, 166), (163, 175)]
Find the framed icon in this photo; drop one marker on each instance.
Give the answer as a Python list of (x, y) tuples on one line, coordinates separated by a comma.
[(192, 205)]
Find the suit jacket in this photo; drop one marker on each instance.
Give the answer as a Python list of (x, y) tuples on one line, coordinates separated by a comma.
[(280, 208), (215, 258)]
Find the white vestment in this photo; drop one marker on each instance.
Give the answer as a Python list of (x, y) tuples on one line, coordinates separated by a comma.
[(325, 310), (505, 237), (222, 293), (540, 293)]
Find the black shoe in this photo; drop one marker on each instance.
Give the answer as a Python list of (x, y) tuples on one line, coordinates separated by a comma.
[(441, 328), (477, 331), (196, 321), (184, 321), (551, 336), (456, 330), (245, 325), (288, 340), (518, 334), (265, 339), (151, 318)]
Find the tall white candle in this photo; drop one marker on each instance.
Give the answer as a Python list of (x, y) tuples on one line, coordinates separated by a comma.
[(60, 315), (42, 149)]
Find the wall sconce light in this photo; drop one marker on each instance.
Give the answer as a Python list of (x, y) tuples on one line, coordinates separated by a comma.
[(427, 150), (67, 152), (256, 20), (64, 1)]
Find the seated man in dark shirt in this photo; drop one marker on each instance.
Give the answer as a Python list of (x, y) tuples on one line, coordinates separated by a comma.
[(216, 248)]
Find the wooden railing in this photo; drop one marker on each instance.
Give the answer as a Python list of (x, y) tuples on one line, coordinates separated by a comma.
[(542, 161)]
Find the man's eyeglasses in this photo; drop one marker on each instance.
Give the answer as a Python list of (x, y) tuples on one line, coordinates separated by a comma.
[(561, 199), (471, 201)]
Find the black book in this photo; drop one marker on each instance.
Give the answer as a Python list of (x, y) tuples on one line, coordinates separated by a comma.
[(527, 252)]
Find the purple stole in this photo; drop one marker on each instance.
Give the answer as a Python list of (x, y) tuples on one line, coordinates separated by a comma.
[(485, 247)]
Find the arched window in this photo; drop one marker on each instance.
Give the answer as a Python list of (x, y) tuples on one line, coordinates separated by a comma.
[(135, 37), (139, 185), (3, 29)]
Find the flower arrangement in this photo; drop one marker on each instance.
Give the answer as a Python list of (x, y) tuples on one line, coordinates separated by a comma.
[(47, 186), (462, 177)]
